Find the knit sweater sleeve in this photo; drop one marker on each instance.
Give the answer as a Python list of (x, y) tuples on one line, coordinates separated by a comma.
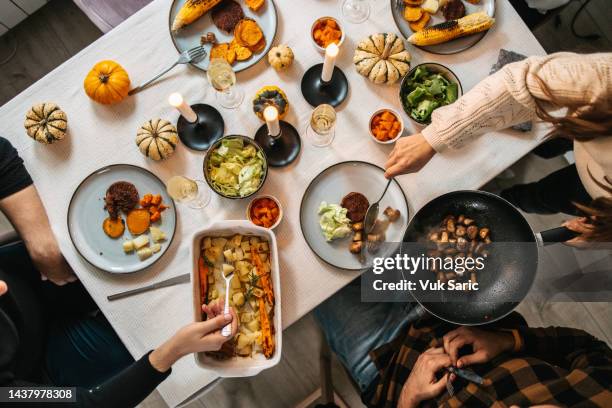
[(508, 97)]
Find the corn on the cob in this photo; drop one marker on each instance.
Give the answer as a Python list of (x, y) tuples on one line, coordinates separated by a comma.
[(191, 11), (449, 30)]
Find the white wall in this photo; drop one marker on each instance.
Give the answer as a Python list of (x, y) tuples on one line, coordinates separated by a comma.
[(12, 12)]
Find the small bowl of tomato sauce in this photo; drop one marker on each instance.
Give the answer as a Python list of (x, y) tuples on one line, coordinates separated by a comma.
[(265, 211)]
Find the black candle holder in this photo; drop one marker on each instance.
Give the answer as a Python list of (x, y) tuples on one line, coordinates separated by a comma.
[(317, 92), (206, 130), (280, 150)]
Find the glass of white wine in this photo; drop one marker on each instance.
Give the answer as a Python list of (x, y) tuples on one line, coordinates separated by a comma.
[(356, 11), (320, 130), (194, 193), (223, 78)]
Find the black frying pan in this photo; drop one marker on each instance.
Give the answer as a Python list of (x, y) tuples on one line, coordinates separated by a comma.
[(510, 267)]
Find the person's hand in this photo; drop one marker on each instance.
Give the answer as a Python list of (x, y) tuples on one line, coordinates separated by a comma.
[(486, 345), (50, 262), (582, 226), (196, 337), (3, 288), (409, 155), (422, 383)]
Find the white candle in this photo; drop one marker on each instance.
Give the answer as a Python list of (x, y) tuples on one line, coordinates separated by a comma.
[(176, 100), (270, 114), (331, 52)]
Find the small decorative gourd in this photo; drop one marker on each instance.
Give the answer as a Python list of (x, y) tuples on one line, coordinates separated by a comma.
[(270, 96), (382, 58), (107, 83), (280, 57), (46, 123), (157, 139)]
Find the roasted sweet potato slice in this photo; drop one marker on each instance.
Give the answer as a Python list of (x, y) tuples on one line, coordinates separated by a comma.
[(412, 14), (113, 227), (421, 23), (248, 33)]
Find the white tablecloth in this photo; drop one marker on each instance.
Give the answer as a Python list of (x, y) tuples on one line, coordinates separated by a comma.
[(101, 135)]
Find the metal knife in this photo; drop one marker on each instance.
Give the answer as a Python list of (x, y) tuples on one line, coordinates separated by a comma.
[(165, 283)]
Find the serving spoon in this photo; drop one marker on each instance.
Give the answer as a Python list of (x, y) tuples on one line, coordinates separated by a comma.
[(227, 330), (372, 213)]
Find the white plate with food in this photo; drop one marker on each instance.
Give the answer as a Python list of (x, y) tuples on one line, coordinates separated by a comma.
[(243, 30), (120, 218), (334, 205), (427, 13), (249, 253)]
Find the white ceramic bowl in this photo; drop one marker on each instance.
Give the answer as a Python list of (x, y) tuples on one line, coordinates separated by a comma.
[(397, 116), (238, 366), (280, 209), (317, 46)]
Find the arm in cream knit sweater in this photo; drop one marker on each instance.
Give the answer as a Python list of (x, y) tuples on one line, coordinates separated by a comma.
[(507, 98)]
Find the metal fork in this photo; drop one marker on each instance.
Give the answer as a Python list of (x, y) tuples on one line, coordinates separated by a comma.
[(193, 55), (227, 330)]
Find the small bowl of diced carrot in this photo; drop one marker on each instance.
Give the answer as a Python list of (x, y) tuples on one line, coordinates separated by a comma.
[(326, 30), (386, 126), (265, 211)]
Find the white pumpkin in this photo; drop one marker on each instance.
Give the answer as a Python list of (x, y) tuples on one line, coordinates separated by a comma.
[(382, 58), (157, 139)]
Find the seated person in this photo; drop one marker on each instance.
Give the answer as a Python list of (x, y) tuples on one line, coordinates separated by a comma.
[(400, 362), (51, 332)]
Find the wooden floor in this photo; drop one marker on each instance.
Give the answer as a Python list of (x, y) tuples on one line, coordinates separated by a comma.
[(60, 29)]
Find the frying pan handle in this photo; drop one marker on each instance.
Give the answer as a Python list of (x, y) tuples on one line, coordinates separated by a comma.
[(559, 234)]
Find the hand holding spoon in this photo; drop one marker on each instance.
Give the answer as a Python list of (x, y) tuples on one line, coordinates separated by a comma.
[(227, 330)]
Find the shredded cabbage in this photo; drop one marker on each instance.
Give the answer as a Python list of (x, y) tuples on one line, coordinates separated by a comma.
[(334, 222), (235, 169)]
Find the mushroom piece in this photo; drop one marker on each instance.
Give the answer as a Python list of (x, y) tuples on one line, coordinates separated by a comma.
[(450, 225), (358, 236), (468, 221), (208, 38), (392, 214), (460, 230), (462, 244), (472, 232), (358, 226), (483, 233), (356, 247)]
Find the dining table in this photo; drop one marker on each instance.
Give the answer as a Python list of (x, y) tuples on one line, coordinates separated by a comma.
[(100, 135)]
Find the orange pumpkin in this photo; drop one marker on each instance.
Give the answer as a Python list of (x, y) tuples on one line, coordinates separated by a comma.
[(107, 83)]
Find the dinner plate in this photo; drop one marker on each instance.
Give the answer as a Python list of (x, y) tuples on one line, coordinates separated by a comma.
[(189, 36), (86, 213), (334, 183), (450, 47)]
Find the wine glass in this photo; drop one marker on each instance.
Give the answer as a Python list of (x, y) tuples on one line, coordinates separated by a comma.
[(320, 130), (356, 11), (194, 193), (223, 78)]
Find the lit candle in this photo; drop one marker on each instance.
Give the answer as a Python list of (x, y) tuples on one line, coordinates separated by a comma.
[(271, 116), (176, 100), (331, 52)]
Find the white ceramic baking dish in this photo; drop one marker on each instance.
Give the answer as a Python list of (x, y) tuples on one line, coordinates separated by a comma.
[(238, 366)]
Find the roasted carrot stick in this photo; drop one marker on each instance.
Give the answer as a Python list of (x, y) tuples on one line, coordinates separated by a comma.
[(203, 274), (263, 277), (267, 340)]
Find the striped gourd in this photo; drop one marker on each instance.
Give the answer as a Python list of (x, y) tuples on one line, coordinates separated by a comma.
[(157, 139), (449, 30), (382, 58), (191, 11), (46, 123)]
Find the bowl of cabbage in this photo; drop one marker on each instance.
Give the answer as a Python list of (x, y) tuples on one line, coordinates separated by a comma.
[(235, 167)]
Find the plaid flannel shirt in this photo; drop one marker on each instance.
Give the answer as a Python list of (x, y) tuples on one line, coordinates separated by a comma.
[(557, 365)]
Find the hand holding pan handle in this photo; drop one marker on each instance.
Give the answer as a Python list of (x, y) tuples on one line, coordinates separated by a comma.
[(555, 235)]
